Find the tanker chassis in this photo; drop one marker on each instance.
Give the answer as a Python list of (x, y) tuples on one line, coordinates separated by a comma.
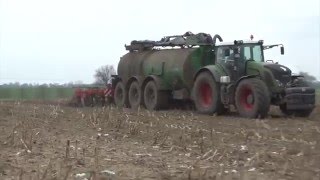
[(212, 75)]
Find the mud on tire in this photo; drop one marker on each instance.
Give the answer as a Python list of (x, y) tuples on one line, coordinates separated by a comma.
[(252, 98)]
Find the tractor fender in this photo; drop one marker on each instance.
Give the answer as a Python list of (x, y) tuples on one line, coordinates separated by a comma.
[(132, 79), (253, 76), (245, 77), (214, 70), (161, 85)]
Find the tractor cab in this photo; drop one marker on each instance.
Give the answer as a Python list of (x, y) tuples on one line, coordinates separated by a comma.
[(244, 58), (250, 82)]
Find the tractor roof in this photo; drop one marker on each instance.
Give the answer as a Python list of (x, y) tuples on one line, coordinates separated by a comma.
[(239, 42)]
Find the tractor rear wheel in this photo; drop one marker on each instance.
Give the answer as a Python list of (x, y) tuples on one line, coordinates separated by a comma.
[(154, 99), (252, 98), (134, 95), (120, 95), (207, 95)]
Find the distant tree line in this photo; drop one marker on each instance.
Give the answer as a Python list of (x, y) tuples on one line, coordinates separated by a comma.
[(103, 74), (102, 77), (17, 84)]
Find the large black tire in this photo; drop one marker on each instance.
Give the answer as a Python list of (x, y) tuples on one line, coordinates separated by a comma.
[(206, 95), (252, 98), (135, 95), (296, 113), (154, 99), (120, 95)]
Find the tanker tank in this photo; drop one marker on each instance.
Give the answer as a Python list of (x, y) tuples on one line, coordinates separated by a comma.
[(175, 66)]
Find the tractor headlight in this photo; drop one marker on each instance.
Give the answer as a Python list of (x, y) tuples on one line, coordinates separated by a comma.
[(225, 79), (279, 83)]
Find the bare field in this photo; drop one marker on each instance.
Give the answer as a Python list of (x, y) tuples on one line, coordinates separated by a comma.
[(52, 141)]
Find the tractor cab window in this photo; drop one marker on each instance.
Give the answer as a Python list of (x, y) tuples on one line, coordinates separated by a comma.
[(224, 54), (252, 52)]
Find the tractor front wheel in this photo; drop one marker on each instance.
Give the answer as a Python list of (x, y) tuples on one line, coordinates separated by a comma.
[(120, 95), (252, 98)]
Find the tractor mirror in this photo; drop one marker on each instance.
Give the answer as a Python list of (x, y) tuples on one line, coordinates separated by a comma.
[(282, 50), (227, 52)]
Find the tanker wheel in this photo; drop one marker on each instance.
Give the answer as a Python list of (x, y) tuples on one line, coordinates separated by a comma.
[(297, 113), (154, 99), (120, 96), (252, 98), (207, 95), (135, 95)]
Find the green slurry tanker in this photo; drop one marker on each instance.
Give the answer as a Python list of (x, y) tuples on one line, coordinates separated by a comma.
[(213, 75)]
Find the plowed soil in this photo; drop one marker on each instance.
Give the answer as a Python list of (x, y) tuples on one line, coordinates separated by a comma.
[(54, 141)]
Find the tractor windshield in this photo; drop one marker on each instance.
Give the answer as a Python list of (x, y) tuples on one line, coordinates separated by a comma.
[(252, 52)]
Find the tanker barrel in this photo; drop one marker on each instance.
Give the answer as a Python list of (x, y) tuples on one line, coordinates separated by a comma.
[(215, 37)]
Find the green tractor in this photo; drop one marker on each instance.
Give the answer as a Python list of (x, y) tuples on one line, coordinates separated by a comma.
[(212, 75)]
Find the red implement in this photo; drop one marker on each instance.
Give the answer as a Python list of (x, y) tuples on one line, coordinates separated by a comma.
[(92, 96)]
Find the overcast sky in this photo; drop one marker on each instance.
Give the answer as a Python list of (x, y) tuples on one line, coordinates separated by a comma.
[(66, 40)]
